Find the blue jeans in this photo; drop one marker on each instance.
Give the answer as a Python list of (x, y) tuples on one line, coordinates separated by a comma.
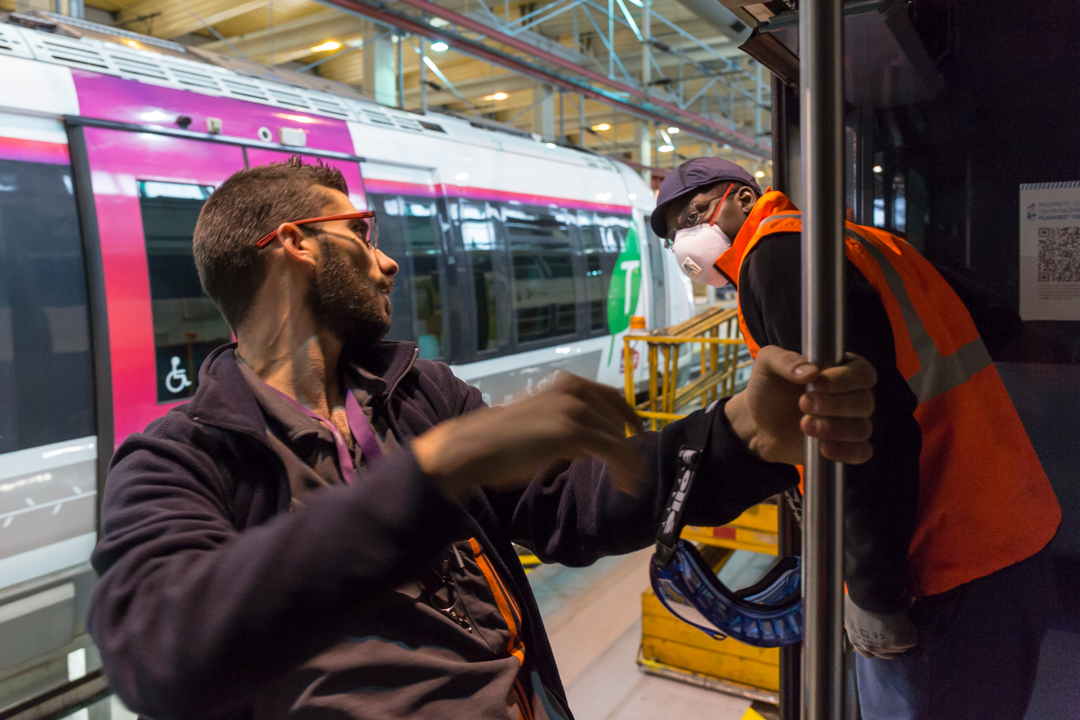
[(978, 651)]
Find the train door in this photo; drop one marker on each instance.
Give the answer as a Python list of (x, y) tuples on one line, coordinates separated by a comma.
[(48, 431), (488, 330), (147, 192), (413, 230)]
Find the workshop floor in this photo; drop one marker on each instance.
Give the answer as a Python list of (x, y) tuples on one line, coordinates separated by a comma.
[(593, 617)]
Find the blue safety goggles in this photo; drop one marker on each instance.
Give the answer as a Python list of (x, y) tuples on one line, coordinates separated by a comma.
[(766, 614)]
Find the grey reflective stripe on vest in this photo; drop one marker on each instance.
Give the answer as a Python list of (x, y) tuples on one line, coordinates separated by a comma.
[(780, 216), (937, 374)]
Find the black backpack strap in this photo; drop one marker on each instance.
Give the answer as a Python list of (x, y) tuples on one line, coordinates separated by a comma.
[(690, 455)]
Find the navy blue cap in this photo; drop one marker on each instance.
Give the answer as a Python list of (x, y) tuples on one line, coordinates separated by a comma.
[(690, 178)]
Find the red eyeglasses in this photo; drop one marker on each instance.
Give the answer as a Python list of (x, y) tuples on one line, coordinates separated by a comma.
[(369, 234)]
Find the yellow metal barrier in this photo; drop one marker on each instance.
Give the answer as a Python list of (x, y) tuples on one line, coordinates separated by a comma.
[(716, 331), (754, 530)]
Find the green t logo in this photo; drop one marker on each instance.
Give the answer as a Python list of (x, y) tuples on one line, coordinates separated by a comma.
[(625, 285)]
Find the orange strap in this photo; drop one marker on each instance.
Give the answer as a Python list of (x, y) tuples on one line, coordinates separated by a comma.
[(507, 607)]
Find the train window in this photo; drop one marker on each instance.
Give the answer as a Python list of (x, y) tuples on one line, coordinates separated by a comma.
[(46, 382), (481, 242), (545, 299), (532, 222), (545, 295), (421, 221), (602, 239), (187, 324)]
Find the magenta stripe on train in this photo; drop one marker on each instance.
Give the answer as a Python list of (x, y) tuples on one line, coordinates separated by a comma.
[(390, 187), (33, 151)]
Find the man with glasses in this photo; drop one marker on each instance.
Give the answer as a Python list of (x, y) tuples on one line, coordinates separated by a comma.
[(946, 527), (325, 529)]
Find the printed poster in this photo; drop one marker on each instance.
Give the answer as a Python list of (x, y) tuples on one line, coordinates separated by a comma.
[(1050, 251)]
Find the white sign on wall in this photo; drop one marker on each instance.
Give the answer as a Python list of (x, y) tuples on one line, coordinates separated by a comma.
[(1050, 251)]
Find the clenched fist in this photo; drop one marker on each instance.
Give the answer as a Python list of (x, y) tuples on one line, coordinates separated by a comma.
[(775, 410)]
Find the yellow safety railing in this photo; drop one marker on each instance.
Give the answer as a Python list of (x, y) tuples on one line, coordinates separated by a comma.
[(716, 331)]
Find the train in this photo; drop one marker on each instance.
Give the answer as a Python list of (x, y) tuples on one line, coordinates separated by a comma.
[(520, 259)]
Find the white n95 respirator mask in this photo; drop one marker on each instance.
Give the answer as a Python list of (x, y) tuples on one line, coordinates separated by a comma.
[(697, 248)]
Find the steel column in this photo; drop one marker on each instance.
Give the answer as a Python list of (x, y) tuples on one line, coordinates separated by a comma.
[(821, 88), (270, 16), (400, 72), (423, 76), (611, 39), (581, 121), (757, 106), (646, 50), (562, 119), (645, 153)]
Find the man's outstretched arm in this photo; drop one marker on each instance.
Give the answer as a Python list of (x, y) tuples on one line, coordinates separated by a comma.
[(580, 506)]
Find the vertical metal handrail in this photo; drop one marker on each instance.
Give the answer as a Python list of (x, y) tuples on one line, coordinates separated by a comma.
[(821, 87)]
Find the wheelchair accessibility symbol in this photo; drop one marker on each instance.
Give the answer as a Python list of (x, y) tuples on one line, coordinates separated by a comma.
[(177, 379)]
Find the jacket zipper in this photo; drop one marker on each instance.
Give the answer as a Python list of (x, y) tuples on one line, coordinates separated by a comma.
[(390, 393)]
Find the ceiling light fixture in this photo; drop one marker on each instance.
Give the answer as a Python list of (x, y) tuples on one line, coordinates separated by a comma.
[(496, 96), (439, 46), (673, 129), (328, 45), (666, 148), (877, 168), (601, 127), (759, 174)]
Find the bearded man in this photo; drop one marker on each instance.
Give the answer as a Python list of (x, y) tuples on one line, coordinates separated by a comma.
[(325, 529)]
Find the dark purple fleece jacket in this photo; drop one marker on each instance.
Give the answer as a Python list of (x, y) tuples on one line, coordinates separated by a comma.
[(212, 590)]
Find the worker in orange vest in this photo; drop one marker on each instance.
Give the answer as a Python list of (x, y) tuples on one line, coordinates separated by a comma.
[(949, 581)]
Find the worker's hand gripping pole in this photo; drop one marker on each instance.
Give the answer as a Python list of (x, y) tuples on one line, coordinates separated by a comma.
[(821, 87)]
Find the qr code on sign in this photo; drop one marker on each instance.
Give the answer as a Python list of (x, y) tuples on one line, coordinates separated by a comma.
[(1059, 254)]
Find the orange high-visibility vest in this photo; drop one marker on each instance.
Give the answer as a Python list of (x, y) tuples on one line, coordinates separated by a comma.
[(984, 500)]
